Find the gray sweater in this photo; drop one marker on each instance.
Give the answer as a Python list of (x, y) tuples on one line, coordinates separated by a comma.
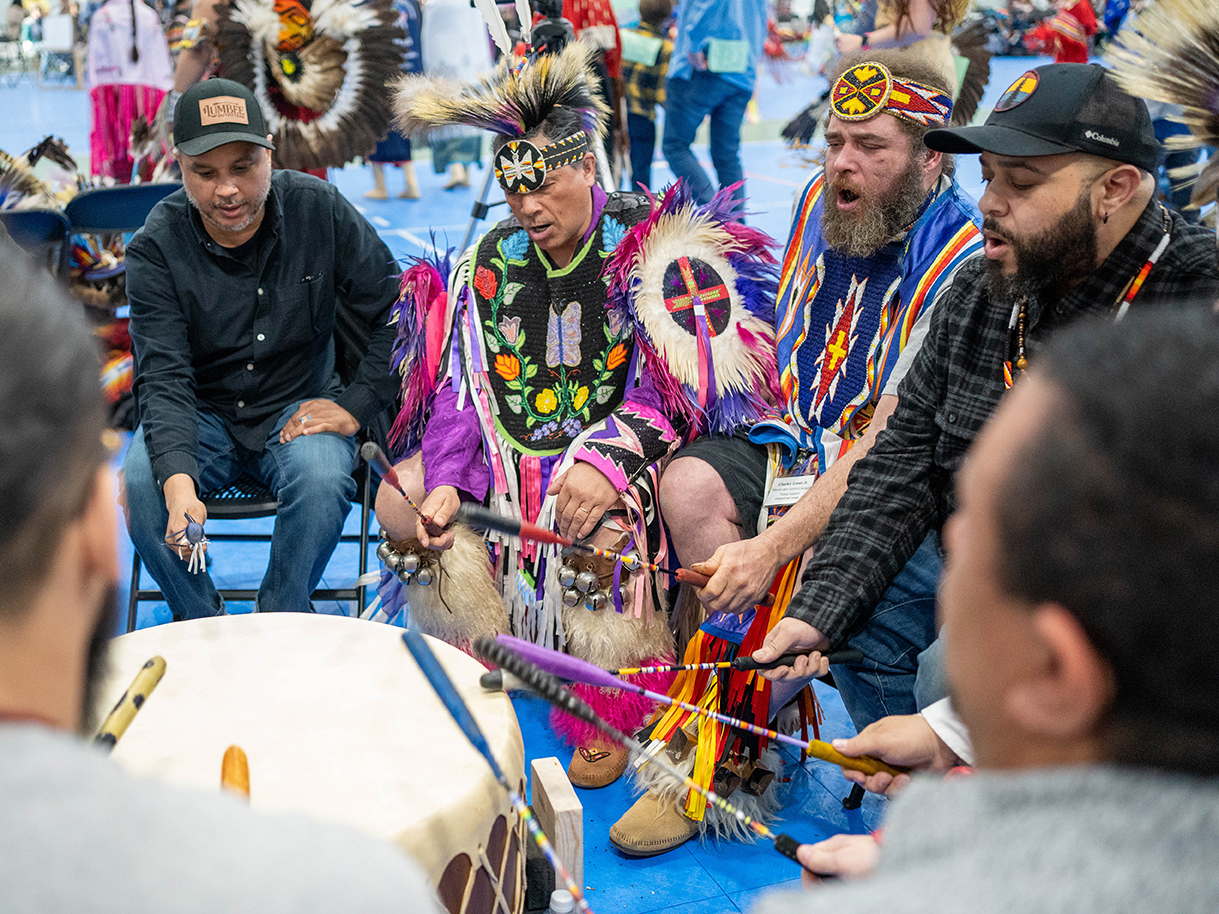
[(77, 833), (1071, 840)]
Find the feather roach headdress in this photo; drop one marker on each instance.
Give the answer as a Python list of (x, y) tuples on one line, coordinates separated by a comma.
[(1171, 54), (511, 102), (319, 73)]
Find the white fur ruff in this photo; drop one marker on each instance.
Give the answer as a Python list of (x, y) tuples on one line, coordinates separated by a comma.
[(474, 607)]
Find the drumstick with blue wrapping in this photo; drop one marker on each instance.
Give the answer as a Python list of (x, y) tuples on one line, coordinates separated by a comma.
[(550, 688), (452, 700), (126, 708), (569, 667)]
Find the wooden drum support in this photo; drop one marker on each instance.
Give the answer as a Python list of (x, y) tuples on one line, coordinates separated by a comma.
[(338, 723)]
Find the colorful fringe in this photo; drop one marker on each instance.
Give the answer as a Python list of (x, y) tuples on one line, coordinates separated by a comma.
[(419, 346)]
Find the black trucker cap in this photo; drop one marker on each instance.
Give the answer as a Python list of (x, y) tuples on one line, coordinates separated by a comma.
[(1061, 107), (218, 111)]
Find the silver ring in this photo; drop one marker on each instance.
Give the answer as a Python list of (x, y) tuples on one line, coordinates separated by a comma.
[(306, 417), (585, 510)]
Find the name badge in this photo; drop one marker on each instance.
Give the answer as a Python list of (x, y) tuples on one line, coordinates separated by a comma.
[(788, 490)]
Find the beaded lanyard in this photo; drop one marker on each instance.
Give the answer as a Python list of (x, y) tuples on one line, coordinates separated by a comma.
[(1120, 307)]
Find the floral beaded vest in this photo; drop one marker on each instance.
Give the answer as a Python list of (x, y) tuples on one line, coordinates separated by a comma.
[(558, 361)]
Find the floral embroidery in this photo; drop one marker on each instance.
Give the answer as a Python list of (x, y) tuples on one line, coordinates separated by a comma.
[(516, 245), (616, 357), (581, 397), (546, 402), (612, 232), (510, 327), (485, 282), (507, 367)]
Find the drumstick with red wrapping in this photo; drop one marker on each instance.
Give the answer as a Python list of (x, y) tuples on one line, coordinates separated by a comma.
[(484, 518), (452, 700), (569, 667), (371, 451), (549, 688)]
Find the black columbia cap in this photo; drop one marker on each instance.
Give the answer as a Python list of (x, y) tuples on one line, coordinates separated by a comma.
[(1058, 108), (218, 111)]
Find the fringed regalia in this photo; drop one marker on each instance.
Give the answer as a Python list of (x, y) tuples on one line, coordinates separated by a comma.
[(1171, 54), (841, 323), (545, 369), (319, 71)]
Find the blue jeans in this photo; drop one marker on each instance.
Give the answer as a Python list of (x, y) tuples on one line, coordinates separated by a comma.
[(311, 476), (687, 102), (900, 629), (643, 147)]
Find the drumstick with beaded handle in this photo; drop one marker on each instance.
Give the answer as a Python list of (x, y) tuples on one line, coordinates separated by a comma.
[(126, 708), (452, 700), (569, 667), (371, 451), (741, 664), (551, 689)]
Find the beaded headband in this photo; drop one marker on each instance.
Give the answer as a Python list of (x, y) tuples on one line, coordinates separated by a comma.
[(520, 166), (869, 89)]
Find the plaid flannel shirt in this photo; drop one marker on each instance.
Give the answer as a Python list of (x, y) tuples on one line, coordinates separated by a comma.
[(645, 86), (903, 488)]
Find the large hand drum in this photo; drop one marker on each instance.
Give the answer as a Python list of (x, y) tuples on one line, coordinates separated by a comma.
[(338, 723)]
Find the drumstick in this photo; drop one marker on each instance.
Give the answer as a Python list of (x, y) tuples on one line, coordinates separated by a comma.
[(569, 667), (700, 580), (371, 451), (477, 516), (742, 664), (549, 688), (235, 772), (126, 708), (452, 700)]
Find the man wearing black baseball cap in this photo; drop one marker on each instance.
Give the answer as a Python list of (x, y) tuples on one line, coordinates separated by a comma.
[(1072, 229), (235, 284)]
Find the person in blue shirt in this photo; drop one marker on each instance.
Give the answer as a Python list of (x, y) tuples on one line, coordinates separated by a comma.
[(711, 74)]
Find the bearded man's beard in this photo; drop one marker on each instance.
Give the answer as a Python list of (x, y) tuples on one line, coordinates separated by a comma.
[(96, 668), (881, 215), (1050, 262)]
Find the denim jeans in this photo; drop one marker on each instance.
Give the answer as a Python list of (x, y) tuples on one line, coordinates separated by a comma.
[(900, 629), (311, 476), (687, 102), (643, 147)]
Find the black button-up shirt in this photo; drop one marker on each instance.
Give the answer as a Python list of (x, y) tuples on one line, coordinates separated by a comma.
[(244, 339), (903, 487)]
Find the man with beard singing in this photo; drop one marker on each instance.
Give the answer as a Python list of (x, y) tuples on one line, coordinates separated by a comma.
[(1072, 229), (875, 241), (242, 285), (77, 833)]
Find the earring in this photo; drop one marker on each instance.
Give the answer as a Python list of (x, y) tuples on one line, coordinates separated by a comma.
[(1105, 218)]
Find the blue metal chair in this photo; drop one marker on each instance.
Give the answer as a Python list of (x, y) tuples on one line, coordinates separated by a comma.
[(114, 209), (42, 232)]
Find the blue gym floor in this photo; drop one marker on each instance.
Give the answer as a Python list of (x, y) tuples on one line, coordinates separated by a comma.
[(693, 879)]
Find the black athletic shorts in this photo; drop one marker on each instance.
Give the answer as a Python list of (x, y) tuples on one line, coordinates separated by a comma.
[(742, 466)]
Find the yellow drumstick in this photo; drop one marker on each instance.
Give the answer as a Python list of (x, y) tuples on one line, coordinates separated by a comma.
[(133, 699), (235, 772)]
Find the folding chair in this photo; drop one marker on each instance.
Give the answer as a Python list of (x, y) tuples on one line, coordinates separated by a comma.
[(114, 209), (42, 232), (245, 499)]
